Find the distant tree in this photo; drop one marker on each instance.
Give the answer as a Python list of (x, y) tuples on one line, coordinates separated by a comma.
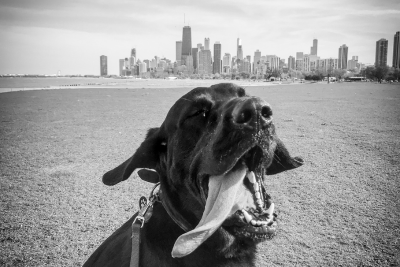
[(338, 73), (368, 72), (393, 75), (381, 72), (276, 73)]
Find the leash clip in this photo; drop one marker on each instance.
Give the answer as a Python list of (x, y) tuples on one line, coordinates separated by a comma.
[(146, 207), (139, 218)]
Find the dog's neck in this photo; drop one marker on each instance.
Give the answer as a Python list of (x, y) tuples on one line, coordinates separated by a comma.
[(219, 250)]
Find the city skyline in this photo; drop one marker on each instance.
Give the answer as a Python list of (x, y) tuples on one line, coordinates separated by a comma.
[(70, 37)]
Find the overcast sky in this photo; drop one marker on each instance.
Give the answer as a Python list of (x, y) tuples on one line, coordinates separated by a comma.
[(44, 36)]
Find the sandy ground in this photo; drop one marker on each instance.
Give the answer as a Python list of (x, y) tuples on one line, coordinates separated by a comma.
[(341, 208)]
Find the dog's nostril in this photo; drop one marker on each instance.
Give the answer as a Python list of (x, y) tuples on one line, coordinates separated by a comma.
[(266, 112), (244, 116)]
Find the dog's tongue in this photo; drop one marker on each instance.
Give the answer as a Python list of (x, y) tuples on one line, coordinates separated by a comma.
[(223, 199)]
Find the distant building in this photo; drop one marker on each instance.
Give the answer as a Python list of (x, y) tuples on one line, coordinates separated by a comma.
[(133, 52), (189, 64), (186, 43), (178, 51), (205, 62), (381, 52), (142, 67), (257, 61), (273, 62), (396, 51), (240, 52), (342, 59), (246, 65), (103, 65), (314, 48), (239, 44), (299, 55), (195, 55), (121, 67), (329, 64), (226, 63), (310, 62), (291, 63), (217, 58), (132, 62), (206, 43), (226, 60), (147, 64), (352, 63)]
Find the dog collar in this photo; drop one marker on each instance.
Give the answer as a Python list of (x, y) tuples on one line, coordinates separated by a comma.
[(144, 215)]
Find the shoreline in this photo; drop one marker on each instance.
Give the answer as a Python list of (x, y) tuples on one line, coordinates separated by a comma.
[(148, 84)]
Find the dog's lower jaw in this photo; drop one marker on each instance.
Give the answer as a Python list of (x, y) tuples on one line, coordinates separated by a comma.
[(226, 245)]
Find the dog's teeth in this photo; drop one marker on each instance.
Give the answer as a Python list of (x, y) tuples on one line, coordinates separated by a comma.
[(256, 187), (258, 223), (251, 177), (270, 210), (253, 222), (259, 202), (247, 216), (257, 195)]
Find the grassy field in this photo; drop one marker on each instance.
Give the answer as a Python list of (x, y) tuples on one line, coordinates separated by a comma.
[(342, 208)]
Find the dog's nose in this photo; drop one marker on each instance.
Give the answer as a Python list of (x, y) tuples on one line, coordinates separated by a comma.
[(252, 111)]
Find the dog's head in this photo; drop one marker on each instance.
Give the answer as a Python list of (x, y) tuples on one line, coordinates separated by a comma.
[(211, 155)]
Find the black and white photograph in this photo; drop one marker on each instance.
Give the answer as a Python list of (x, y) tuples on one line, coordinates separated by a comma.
[(199, 133)]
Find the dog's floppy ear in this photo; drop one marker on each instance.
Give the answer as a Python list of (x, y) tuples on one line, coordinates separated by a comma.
[(146, 156), (282, 160)]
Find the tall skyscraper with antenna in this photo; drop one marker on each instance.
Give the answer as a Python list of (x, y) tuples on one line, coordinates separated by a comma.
[(239, 49), (186, 43)]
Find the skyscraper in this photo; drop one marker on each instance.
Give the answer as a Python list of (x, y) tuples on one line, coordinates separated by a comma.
[(291, 63), (352, 63), (133, 52), (314, 48), (239, 49), (178, 51), (299, 55), (256, 62), (342, 59), (240, 52), (186, 43), (226, 60), (206, 43), (103, 65), (238, 43), (381, 52), (205, 62), (195, 55), (217, 58), (396, 51), (121, 67)]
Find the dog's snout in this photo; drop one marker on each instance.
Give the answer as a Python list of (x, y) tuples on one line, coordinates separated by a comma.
[(252, 111)]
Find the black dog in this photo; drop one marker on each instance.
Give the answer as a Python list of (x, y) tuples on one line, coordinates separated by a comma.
[(211, 156)]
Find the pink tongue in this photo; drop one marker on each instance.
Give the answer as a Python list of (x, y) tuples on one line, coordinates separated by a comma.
[(223, 199)]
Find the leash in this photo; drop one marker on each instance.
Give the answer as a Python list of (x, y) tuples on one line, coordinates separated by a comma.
[(144, 214)]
